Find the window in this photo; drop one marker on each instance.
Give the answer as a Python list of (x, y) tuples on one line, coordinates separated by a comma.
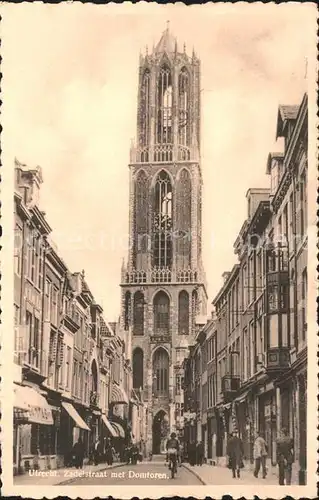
[(54, 306), (16, 315), (145, 110), (162, 256), (141, 238), (183, 220), (178, 385), (160, 372), (75, 374), (138, 320), (304, 283), (272, 298), (164, 104), (47, 300), (245, 286), (18, 245), (68, 368), (183, 313), (138, 368), (161, 313), (183, 104), (127, 310)]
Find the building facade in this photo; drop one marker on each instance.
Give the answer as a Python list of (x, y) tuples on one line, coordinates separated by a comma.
[(261, 310), (163, 285), (72, 376)]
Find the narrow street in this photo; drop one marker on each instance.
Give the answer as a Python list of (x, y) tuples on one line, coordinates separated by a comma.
[(141, 474)]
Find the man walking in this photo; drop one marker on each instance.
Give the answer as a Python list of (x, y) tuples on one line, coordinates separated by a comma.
[(285, 457), (235, 452), (260, 454)]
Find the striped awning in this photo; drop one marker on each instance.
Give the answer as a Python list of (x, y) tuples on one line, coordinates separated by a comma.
[(33, 404), (118, 429), (118, 395), (78, 420), (109, 426)]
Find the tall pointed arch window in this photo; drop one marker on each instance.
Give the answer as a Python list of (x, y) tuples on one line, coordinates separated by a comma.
[(138, 368), (160, 372), (162, 227), (145, 109), (161, 308), (183, 222), (183, 107), (138, 315), (141, 221), (183, 313), (194, 308), (164, 105), (127, 310)]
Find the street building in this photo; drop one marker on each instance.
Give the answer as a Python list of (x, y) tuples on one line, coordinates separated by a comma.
[(256, 345), (72, 373), (163, 283)]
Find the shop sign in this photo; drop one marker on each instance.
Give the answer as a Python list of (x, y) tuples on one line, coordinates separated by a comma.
[(40, 415)]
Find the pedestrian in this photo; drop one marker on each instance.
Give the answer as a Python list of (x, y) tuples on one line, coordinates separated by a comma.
[(235, 452), (260, 454), (96, 452), (199, 453), (78, 453), (192, 453), (285, 457), (109, 452)]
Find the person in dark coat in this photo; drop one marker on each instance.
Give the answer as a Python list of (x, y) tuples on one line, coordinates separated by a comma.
[(78, 453), (235, 452), (199, 453), (192, 453), (285, 457), (109, 452)]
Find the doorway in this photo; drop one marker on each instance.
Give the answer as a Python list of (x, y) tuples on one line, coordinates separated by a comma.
[(160, 432)]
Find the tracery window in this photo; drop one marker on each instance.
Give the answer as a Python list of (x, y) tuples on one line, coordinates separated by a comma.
[(161, 313), (194, 307), (127, 310), (183, 313), (138, 368), (145, 109), (164, 103), (160, 372), (141, 220), (138, 315), (162, 227), (183, 240), (183, 105)]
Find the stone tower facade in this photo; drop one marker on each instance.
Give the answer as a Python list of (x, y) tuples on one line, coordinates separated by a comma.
[(163, 284)]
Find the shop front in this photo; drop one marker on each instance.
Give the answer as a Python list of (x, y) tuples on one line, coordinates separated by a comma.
[(267, 422), (72, 427), (35, 431)]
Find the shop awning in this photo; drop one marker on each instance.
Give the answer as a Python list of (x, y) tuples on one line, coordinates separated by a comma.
[(119, 429), (118, 395), (37, 409), (78, 420), (242, 397), (109, 426)]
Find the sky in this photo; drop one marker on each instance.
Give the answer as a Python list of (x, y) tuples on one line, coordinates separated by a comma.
[(70, 101)]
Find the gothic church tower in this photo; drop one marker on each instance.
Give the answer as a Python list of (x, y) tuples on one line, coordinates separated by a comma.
[(163, 284)]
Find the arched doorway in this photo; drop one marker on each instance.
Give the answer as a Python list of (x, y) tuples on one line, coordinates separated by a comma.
[(160, 432)]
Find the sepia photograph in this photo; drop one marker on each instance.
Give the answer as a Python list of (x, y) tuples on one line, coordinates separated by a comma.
[(159, 250)]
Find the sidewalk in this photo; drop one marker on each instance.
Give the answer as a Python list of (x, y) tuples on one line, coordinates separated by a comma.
[(59, 476), (210, 474)]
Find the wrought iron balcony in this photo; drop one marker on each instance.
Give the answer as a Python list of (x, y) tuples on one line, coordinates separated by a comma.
[(230, 386)]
